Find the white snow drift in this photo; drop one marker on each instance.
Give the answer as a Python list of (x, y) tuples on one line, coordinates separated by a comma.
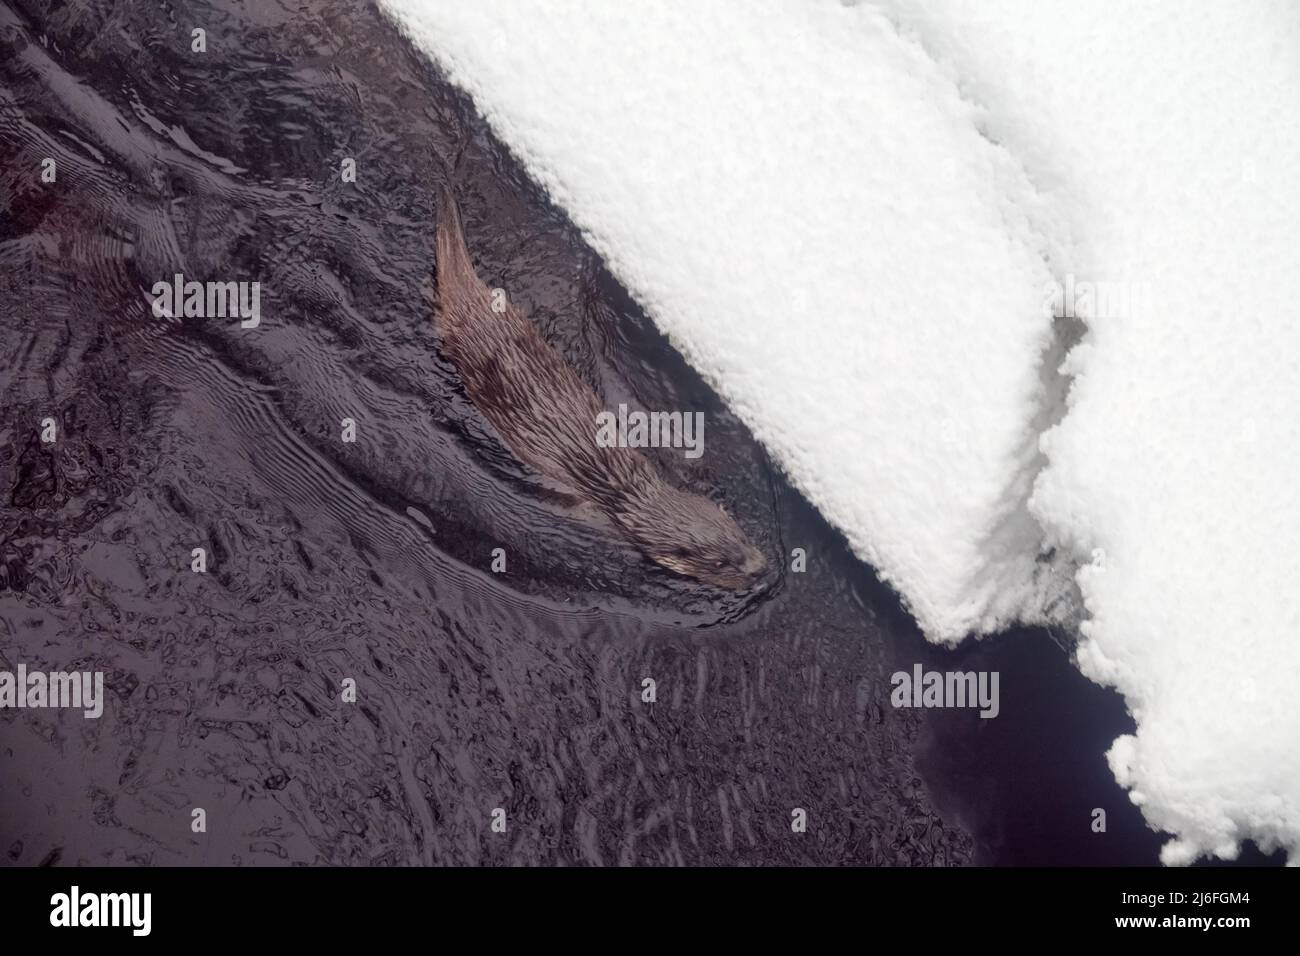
[(847, 218), (1175, 474)]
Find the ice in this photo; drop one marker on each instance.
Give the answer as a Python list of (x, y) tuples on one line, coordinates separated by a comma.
[(846, 217)]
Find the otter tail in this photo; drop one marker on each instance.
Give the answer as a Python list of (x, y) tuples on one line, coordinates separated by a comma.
[(455, 269)]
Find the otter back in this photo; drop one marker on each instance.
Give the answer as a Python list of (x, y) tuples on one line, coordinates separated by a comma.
[(539, 406)]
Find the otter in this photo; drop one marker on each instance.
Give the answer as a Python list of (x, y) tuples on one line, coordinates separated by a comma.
[(547, 417)]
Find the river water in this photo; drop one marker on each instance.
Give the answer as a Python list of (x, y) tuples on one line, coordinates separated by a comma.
[(515, 696)]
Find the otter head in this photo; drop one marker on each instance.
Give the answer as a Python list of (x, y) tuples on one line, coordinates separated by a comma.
[(695, 537)]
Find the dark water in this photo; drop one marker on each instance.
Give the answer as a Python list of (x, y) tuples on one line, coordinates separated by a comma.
[(371, 560)]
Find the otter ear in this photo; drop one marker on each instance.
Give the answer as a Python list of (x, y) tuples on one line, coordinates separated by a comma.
[(723, 509)]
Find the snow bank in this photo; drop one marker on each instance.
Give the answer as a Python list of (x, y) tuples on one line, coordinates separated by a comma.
[(805, 206), (809, 201), (1175, 475)]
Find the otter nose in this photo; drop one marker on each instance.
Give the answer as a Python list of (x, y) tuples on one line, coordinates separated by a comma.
[(755, 564)]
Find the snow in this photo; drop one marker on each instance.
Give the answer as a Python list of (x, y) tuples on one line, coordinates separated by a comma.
[(846, 219), (1175, 475)]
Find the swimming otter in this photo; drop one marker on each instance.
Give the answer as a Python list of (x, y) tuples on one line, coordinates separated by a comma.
[(547, 416)]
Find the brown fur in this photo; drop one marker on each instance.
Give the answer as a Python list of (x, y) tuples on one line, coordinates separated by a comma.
[(547, 416)]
